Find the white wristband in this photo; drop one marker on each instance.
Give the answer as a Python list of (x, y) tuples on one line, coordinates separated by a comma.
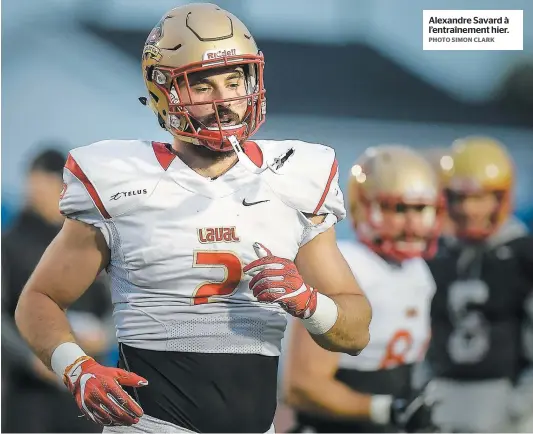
[(380, 408), (325, 316), (64, 356)]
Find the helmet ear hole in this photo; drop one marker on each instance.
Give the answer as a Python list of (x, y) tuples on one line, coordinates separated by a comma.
[(161, 121), (149, 71)]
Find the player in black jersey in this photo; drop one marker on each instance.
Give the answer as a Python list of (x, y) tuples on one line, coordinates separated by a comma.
[(481, 350)]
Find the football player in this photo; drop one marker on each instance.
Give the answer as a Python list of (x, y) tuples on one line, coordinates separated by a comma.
[(209, 241), (480, 314), (396, 207)]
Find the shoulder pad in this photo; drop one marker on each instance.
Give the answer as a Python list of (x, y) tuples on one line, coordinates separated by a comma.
[(117, 176), (305, 176), (511, 230)]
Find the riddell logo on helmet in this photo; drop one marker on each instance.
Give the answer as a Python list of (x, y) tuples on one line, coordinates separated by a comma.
[(217, 54), (153, 52)]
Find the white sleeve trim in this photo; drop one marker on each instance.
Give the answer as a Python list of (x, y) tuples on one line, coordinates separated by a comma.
[(77, 204)]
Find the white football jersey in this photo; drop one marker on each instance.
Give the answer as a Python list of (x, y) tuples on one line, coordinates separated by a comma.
[(179, 240), (400, 296)]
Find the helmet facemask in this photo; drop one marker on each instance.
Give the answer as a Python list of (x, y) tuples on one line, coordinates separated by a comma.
[(214, 130), (375, 232)]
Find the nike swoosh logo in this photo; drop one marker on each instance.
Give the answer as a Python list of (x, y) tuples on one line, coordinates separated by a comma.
[(75, 374), (253, 203)]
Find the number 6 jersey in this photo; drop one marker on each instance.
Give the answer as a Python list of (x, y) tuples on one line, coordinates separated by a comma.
[(179, 241), (481, 317)]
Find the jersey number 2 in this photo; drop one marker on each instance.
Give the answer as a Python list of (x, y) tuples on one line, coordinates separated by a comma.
[(232, 267)]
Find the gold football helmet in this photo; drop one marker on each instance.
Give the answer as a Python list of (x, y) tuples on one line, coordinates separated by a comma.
[(199, 37), (480, 165), (441, 160), (394, 178)]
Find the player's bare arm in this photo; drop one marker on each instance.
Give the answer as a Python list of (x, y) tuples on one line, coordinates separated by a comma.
[(310, 384), (323, 267), (66, 270), (318, 288)]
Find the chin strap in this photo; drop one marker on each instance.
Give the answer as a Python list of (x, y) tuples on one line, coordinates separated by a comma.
[(244, 159), (274, 165), (241, 155)]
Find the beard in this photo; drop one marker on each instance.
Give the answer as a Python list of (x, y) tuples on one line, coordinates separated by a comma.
[(210, 155), (227, 118)]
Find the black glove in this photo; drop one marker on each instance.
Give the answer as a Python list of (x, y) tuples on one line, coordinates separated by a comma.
[(414, 414)]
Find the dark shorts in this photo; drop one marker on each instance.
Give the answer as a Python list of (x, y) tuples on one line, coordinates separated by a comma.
[(205, 392)]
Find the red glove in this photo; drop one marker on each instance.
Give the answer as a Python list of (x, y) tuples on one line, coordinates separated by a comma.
[(98, 394), (276, 280)]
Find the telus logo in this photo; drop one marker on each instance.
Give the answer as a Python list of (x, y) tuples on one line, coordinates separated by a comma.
[(122, 194)]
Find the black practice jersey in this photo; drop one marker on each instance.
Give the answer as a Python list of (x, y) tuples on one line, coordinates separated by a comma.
[(478, 310)]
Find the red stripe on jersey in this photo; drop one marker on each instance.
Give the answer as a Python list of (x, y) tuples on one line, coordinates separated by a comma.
[(75, 169), (332, 173), (254, 153), (163, 154)]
